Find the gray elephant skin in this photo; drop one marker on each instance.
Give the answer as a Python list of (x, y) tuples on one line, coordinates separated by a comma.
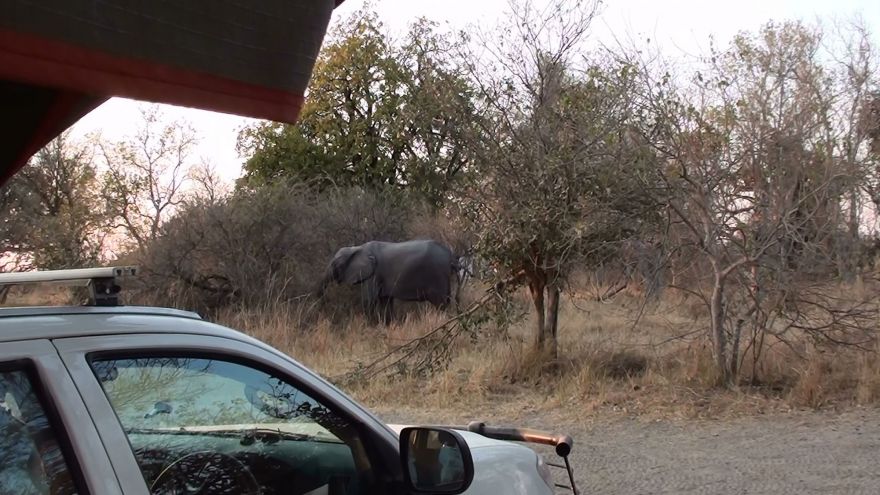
[(418, 270)]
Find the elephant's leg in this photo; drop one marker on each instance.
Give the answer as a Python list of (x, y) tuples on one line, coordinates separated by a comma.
[(444, 303), (387, 307), (372, 310), (455, 292), (374, 302), (455, 298), (439, 301)]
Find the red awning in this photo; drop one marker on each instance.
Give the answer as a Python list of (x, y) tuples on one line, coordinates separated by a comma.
[(59, 59)]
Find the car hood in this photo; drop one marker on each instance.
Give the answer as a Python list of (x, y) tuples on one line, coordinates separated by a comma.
[(499, 466)]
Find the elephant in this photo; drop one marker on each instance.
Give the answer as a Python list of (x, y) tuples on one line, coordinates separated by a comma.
[(415, 270)]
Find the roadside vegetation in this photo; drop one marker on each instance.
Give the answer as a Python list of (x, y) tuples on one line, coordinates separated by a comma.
[(641, 234)]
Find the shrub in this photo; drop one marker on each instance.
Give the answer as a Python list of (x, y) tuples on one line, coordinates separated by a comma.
[(272, 244)]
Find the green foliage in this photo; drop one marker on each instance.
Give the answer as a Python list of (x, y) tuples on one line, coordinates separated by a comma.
[(281, 152), (563, 179), (569, 184), (53, 213), (377, 116)]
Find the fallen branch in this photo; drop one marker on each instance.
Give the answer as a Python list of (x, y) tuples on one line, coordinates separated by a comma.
[(429, 352)]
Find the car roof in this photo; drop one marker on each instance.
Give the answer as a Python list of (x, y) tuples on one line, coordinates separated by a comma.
[(28, 323)]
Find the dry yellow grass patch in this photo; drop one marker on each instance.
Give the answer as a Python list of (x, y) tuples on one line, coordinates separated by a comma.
[(615, 359), (619, 358), (42, 295)]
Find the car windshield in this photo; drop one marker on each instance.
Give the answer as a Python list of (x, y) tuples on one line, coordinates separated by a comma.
[(258, 432), (197, 396)]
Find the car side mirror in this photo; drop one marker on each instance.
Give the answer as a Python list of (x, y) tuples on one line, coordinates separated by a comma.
[(435, 460)]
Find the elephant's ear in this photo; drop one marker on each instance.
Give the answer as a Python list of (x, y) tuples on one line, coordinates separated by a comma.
[(361, 265)]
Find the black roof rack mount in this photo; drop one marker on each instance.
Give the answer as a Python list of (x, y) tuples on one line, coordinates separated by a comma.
[(102, 282)]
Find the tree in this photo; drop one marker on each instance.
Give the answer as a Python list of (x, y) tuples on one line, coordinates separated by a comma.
[(52, 211), (377, 116), (855, 113), (14, 226), (871, 125), (562, 182), (145, 176), (757, 179), (208, 188), (437, 115)]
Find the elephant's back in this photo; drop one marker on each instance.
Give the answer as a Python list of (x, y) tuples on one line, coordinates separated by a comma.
[(419, 259), (416, 270), (419, 247)]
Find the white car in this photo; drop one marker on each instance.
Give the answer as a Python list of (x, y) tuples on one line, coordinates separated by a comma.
[(108, 399)]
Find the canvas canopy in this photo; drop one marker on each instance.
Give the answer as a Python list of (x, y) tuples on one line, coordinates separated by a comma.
[(59, 59)]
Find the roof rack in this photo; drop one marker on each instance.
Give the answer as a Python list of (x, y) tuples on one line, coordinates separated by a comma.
[(102, 282)]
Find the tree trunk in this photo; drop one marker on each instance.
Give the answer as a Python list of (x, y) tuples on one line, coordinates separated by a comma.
[(733, 360), (536, 288), (319, 290), (552, 318), (719, 340), (854, 249)]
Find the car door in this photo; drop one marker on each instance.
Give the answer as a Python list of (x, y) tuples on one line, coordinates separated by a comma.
[(182, 411), (48, 443)]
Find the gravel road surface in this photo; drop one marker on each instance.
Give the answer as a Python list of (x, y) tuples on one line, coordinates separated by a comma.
[(802, 453)]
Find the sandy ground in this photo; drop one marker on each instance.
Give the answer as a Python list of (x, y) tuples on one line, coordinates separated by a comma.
[(803, 453)]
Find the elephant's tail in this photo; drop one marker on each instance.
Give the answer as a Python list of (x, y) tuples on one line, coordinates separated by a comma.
[(455, 264), (461, 271)]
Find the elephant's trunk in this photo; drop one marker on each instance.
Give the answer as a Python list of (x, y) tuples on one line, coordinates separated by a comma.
[(322, 284)]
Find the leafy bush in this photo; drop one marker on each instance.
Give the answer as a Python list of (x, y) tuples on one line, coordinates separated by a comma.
[(272, 244)]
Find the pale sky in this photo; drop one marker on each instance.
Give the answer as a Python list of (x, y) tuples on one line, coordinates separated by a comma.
[(679, 26)]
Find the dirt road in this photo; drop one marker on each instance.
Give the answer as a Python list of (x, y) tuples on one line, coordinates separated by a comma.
[(803, 453)]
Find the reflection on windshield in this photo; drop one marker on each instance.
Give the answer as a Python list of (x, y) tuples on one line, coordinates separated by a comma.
[(186, 416), (175, 392)]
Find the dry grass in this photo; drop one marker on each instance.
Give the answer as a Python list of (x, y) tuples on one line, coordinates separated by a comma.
[(615, 359), (43, 295)]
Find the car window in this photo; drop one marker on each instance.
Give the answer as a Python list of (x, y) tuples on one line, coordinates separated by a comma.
[(31, 460), (229, 428)]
